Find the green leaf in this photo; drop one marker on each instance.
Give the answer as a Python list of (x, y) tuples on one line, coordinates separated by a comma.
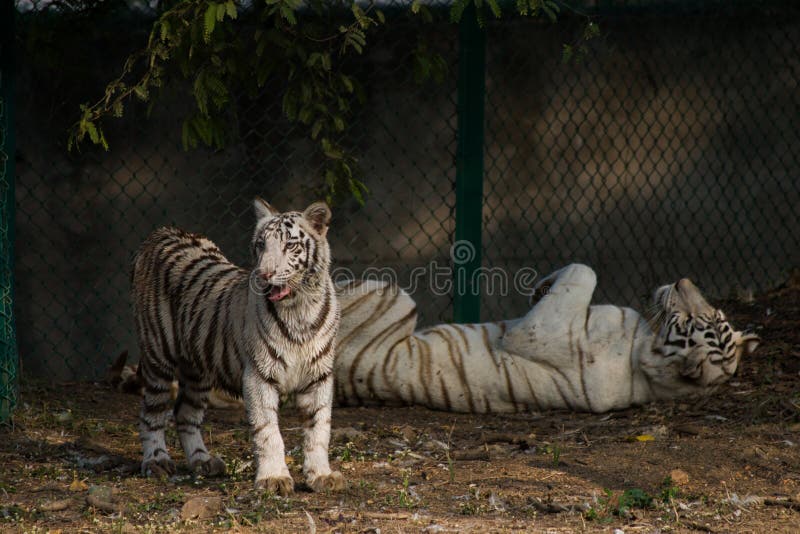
[(164, 30), (566, 54), (347, 82), (230, 7), (187, 139), (92, 130), (221, 10), (141, 92), (306, 114), (209, 21), (316, 128), (355, 190), (495, 7), (457, 10), (288, 14)]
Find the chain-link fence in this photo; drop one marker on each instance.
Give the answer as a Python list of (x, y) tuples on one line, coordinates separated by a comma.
[(670, 150), (8, 345)]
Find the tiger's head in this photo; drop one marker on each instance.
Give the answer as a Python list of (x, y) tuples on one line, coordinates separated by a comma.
[(697, 336), (290, 249)]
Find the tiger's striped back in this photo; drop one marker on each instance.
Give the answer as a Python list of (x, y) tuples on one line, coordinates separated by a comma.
[(189, 302)]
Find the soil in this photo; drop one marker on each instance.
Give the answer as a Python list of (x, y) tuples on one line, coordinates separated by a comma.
[(726, 463)]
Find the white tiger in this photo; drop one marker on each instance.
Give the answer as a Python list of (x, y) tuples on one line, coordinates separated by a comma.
[(563, 354), (259, 332)]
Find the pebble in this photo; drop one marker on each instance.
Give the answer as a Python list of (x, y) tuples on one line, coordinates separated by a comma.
[(679, 477), (201, 508)]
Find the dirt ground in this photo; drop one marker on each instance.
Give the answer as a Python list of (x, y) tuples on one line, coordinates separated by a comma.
[(728, 463)]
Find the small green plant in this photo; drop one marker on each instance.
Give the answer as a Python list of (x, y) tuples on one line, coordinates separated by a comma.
[(451, 465), (554, 450), (610, 505), (633, 498), (468, 508), (669, 490), (347, 452), (404, 498), (556, 454)]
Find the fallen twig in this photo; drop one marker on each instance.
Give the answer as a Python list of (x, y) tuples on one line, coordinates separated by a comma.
[(384, 515), (786, 503), (480, 453), (55, 506), (556, 508), (696, 526), (505, 437)]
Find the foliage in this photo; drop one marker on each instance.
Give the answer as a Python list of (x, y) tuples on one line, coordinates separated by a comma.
[(669, 490), (618, 505), (223, 49)]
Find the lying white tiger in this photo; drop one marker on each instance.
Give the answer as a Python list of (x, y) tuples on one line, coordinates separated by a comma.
[(563, 354)]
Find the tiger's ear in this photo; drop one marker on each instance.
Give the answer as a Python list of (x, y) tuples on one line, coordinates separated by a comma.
[(263, 209), (319, 215), (747, 343)]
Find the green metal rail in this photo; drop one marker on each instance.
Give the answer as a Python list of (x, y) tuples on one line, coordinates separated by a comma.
[(466, 251), (8, 339)]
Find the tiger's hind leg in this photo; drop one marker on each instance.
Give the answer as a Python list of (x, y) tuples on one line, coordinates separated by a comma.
[(153, 418), (559, 315), (190, 408)]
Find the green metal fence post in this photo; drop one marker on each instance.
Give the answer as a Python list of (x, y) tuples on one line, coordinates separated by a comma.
[(8, 339), (466, 252)]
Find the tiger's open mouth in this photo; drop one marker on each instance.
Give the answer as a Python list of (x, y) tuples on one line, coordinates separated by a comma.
[(276, 293)]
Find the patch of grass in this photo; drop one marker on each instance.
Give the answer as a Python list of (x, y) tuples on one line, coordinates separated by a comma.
[(349, 452), (468, 508), (163, 502), (612, 505), (556, 454), (473, 505), (633, 498), (404, 499), (551, 449), (266, 507)]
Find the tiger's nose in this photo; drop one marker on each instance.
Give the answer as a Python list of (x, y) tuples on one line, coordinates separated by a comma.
[(267, 275)]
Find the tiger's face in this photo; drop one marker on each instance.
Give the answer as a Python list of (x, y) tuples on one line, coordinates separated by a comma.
[(697, 335), (289, 249)]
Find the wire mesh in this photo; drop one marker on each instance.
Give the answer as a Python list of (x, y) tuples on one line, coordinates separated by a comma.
[(671, 150), (81, 217)]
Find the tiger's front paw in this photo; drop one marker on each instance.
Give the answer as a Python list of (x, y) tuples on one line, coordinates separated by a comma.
[(331, 482), (280, 485), (212, 467), (162, 466)]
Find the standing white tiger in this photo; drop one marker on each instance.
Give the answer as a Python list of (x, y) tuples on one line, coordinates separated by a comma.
[(259, 333)]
